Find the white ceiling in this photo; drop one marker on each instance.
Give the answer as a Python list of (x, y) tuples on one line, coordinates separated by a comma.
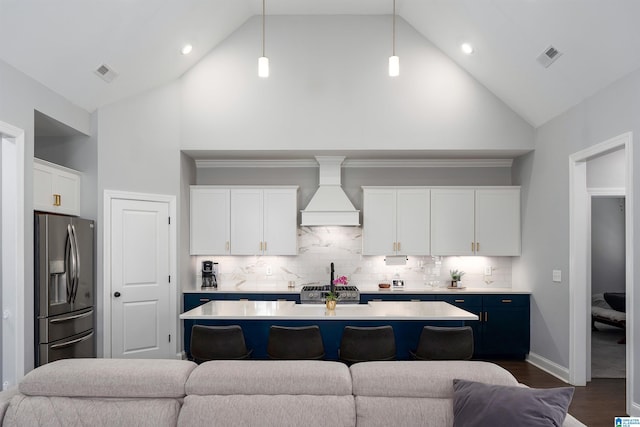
[(60, 43)]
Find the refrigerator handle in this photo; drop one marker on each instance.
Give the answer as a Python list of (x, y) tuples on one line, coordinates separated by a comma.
[(70, 343), (69, 267), (76, 275)]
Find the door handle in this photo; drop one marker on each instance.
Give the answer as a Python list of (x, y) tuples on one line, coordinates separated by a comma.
[(116, 294)]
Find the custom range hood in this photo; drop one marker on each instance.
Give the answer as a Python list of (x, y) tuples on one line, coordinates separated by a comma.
[(330, 205)]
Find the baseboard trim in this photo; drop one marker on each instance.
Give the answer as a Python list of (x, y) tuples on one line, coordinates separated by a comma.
[(548, 366)]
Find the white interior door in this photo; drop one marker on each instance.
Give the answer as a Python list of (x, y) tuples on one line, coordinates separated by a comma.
[(140, 291)]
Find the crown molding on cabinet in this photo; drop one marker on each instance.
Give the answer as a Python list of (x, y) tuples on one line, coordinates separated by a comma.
[(360, 163)]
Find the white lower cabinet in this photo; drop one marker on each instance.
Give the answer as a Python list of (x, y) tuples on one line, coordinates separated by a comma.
[(395, 221), (467, 221), (55, 188)]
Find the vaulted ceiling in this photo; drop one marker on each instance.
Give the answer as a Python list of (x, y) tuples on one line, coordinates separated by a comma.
[(61, 43)]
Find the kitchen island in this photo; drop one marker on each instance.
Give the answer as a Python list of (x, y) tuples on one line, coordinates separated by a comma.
[(256, 317)]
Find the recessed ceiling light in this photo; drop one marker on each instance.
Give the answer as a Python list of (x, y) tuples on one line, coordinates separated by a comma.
[(467, 48), (186, 49)]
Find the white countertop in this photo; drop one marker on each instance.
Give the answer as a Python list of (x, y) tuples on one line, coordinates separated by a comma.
[(271, 288), (289, 310)]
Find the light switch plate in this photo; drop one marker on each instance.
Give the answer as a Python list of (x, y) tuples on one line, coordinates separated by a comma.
[(557, 276), (269, 271), (488, 270)]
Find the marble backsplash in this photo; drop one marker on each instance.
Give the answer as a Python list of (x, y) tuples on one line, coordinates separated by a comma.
[(320, 246)]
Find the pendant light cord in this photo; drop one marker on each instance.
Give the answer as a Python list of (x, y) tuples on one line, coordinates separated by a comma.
[(394, 28), (263, 11)]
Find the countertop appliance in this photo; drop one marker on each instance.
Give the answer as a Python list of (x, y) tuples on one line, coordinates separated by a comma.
[(64, 288), (315, 294), (209, 274)]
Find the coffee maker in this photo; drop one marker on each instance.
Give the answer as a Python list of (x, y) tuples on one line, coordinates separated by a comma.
[(209, 274)]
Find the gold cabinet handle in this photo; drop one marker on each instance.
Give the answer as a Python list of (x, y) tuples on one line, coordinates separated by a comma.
[(399, 247), (204, 300), (265, 246), (226, 246), (506, 301), (57, 200), (459, 300), (486, 316), (477, 246), (394, 246), (472, 246)]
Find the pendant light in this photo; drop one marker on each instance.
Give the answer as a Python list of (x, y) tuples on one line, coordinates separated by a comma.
[(394, 61), (263, 61)]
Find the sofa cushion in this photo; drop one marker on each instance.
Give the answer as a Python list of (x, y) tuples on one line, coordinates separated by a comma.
[(484, 405), (268, 411), (430, 379), (270, 377), (95, 412), (109, 378)]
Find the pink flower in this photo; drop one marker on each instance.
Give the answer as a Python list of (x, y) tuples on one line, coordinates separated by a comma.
[(342, 280)]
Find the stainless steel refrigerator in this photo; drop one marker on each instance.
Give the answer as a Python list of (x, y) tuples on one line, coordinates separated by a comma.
[(64, 288)]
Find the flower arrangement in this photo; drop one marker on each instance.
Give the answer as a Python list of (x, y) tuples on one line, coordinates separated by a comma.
[(342, 280)]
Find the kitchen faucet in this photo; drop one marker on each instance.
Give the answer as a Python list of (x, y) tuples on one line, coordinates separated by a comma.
[(332, 286)]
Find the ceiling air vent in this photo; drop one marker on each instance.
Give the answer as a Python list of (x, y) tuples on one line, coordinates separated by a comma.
[(548, 56), (106, 73)]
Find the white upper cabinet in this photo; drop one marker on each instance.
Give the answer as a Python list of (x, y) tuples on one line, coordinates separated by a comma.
[(210, 216), (475, 221), (55, 188), (280, 207), (498, 222), (243, 220), (246, 222), (395, 221), (264, 221)]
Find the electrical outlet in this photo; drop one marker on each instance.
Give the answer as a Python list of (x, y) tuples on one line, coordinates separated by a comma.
[(269, 271), (557, 276), (488, 270)]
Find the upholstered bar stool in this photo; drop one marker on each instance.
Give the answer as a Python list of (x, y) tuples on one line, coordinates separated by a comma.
[(445, 343), (362, 344), (295, 343), (218, 343)]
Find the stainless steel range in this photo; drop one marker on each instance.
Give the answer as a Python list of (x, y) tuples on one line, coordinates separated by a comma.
[(315, 294)]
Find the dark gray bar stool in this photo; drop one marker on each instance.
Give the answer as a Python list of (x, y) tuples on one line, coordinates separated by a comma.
[(445, 343), (295, 343), (362, 344), (218, 343)]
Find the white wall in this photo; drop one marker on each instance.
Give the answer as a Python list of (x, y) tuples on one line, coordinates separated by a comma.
[(138, 151), (544, 177), (329, 89), (607, 245), (21, 95)]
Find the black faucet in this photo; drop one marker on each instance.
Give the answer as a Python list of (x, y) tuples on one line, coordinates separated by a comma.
[(332, 286)]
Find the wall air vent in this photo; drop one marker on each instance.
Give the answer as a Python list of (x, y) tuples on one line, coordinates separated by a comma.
[(548, 56), (106, 73)]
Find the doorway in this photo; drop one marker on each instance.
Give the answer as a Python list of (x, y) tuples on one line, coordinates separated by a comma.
[(608, 297), (580, 258), (12, 257)]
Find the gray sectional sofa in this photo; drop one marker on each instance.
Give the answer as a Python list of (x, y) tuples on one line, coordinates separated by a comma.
[(118, 392)]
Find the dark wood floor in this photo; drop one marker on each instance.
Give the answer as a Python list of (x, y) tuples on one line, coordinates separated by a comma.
[(594, 405)]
